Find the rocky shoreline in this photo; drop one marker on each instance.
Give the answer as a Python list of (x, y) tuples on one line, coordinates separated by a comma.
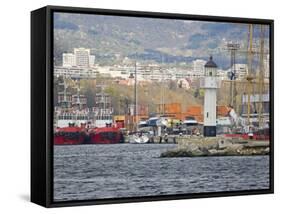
[(217, 146)]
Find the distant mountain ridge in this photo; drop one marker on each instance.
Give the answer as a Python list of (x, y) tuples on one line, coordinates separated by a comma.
[(111, 38)]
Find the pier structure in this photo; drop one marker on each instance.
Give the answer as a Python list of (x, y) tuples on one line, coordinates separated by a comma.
[(210, 84)]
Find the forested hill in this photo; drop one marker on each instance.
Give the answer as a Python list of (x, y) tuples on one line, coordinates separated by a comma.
[(111, 38)]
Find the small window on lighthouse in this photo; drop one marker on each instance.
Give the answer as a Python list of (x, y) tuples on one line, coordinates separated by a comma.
[(210, 73)]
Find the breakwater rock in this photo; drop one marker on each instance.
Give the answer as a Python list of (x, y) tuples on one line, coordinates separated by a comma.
[(217, 146)]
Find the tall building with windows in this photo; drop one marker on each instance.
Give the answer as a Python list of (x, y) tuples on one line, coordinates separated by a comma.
[(82, 56), (198, 67), (68, 60), (241, 71), (92, 59), (80, 63)]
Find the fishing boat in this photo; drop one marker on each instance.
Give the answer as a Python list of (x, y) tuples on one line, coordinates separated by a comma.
[(71, 135), (72, 117), (105, 135)]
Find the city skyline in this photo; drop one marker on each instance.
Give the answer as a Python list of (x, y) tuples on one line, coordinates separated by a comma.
[(88, 68)]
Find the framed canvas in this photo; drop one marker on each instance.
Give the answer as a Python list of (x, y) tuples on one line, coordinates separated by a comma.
[(131, 106)]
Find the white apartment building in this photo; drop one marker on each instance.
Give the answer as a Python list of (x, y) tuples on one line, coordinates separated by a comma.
[(92, 59), (68, 60), (76, 72), (222, 74), (241, 70), (198, 67), (80, 58)]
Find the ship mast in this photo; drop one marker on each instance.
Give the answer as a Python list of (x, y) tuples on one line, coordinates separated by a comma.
[(261, 75), (78, 93), (162, 88), (64, 102), (136, 100), (250, 76)]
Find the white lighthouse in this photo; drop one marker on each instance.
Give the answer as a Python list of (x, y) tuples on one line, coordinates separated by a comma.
[(210, 84)]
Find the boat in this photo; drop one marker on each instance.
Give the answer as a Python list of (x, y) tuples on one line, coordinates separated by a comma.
[(105, 135), (71, 135), (72, 117), (102, 110), (157, 121), (190, 121), (139, 138), (163, 121), (248, 132), (259, 134), (152, 121), (142, 123)]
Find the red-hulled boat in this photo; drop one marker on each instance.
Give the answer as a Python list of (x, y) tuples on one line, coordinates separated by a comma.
[(262, 134), (106, 135), (72, 135)]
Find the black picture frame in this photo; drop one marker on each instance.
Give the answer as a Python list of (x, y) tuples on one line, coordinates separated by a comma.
[(42, 104)]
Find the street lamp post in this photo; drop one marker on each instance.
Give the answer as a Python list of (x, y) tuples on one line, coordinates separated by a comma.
[(135, 96)]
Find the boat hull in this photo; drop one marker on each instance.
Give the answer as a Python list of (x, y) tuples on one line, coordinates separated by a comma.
[(62, 140), (247, 137), (70, 136), (106, 135)]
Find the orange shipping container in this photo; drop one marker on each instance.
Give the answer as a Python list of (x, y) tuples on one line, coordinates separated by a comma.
[(194, 110), (222, 111), (170, 108)]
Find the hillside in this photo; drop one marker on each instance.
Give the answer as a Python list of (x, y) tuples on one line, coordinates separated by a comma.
[(112, 38)]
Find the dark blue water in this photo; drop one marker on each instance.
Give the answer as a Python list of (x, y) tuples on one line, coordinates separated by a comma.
[(125, 170)]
